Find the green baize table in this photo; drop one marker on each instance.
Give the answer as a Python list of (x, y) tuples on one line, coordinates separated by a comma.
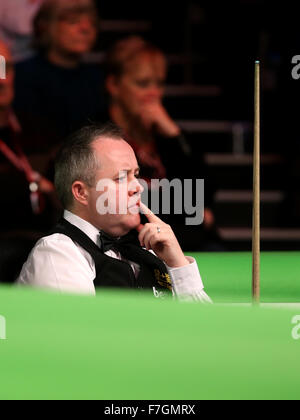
[(124, 346)]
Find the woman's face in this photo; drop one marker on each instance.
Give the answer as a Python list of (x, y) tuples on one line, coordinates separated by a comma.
[(141, 83), (74, 33)]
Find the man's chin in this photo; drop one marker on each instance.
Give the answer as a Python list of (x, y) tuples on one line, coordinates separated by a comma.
[(129, 222), (133, 220)]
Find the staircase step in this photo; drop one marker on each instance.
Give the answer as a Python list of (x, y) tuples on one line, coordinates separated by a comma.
[(214, 126), (272, 239), (222, 136), (234, 172), (192, 90), (267, 234), (237, 196), (207, 104), (234, 215), (234, 208), (214, 159), (125, 26)]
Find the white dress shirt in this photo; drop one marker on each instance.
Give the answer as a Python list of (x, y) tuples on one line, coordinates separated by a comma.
[(57, 263)]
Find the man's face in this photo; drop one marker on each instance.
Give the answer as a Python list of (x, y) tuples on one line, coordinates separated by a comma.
[(141, 83), (119, 169), (7, 85), (73, 33)]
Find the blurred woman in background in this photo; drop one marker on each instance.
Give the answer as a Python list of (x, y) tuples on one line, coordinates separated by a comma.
[(137, 71), (136, 75)]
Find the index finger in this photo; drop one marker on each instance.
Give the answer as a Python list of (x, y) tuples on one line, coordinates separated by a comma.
[(149, 214)]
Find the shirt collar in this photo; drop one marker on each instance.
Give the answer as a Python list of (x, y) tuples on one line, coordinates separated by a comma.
[(91, 231)]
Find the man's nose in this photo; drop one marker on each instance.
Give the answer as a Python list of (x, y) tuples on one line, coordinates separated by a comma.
[(136, 188), (140, 188)]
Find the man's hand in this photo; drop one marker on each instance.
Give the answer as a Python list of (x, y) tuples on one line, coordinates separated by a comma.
[(160, 238)]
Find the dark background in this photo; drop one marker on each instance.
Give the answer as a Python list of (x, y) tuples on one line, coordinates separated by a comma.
[(213, 45), (216, 43)]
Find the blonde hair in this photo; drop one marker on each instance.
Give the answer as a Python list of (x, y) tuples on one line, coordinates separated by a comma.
[(76, 159), (127, 49)]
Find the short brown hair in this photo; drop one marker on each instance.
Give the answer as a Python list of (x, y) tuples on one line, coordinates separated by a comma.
[(76, 159)]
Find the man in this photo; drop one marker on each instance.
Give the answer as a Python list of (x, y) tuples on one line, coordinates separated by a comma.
[(94, 248)]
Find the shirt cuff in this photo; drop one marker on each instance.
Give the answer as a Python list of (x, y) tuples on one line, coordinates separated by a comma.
[(187, 283)]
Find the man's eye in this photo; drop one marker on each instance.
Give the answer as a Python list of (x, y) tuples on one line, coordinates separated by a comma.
[(121, 179)]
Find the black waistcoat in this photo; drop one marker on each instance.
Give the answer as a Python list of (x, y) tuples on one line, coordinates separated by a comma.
[(113, 273)]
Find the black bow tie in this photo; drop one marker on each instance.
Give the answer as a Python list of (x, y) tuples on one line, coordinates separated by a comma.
[(118, 244)]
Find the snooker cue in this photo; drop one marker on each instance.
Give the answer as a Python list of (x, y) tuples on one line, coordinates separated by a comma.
[(256, 191)]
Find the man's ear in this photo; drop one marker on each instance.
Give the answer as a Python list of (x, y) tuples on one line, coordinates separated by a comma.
[(80, 192), (111, 84)]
